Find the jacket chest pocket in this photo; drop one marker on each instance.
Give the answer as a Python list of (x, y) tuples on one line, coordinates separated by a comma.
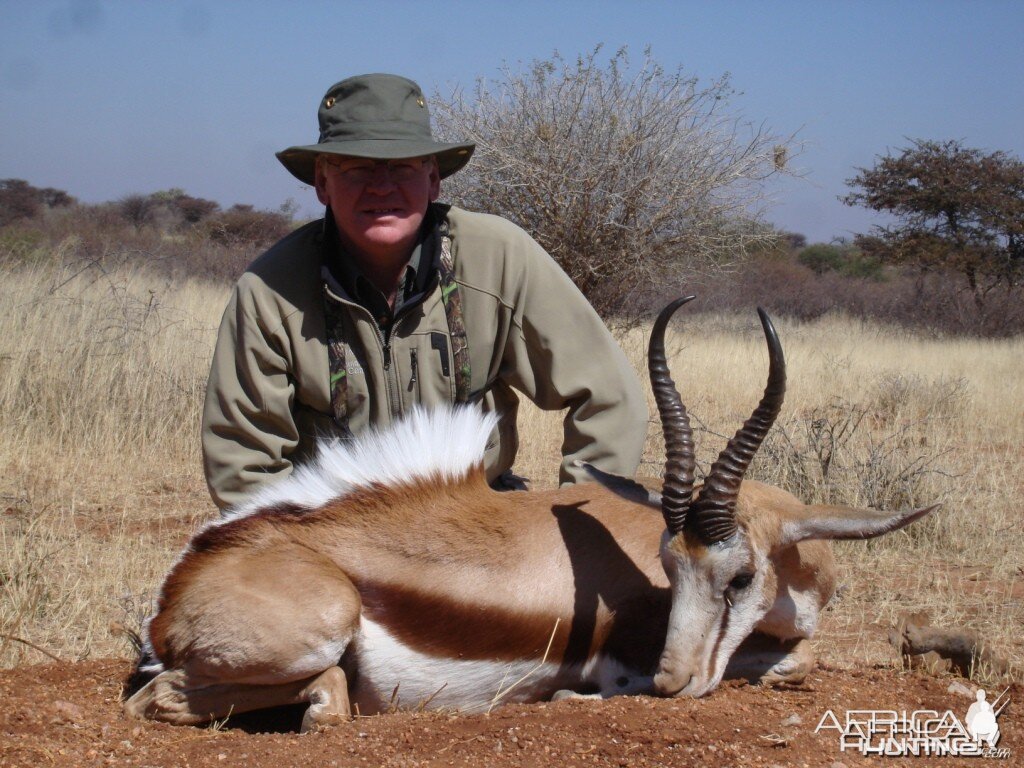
[(428, 370)]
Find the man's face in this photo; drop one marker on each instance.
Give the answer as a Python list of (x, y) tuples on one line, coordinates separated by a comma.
[(378, 205)]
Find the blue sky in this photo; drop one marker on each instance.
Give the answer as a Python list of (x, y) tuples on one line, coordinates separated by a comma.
[(109, 97)]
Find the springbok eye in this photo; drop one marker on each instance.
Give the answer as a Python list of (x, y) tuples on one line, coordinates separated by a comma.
[(741, 581)]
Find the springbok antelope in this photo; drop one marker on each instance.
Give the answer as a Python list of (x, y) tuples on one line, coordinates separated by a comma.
[(388, 569)]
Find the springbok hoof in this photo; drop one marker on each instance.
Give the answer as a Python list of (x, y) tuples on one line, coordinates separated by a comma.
[(312, 721), (567, 694)]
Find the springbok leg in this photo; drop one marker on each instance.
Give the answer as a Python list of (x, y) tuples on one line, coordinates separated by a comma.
[(170, 697), (264, 628), (769, 660)]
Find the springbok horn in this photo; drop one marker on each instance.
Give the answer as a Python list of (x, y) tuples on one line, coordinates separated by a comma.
[(677, 489), (714, 511)]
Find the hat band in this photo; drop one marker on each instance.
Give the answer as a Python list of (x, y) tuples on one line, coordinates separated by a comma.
[(365, 131)]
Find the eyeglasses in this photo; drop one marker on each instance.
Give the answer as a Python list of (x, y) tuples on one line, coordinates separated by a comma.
[(365, 171)]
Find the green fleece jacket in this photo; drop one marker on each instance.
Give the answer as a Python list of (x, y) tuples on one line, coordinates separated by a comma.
[(529, 329)]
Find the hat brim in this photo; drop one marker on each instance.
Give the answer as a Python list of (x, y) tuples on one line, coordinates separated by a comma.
[(301, 161)]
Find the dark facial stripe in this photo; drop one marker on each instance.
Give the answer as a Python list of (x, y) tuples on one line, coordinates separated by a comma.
[(718, 642)]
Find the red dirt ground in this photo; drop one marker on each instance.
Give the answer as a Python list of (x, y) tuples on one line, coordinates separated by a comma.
[(70, 715)]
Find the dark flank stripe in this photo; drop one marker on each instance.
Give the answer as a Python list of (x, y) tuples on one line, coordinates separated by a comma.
[(437, 626), (616, 610)]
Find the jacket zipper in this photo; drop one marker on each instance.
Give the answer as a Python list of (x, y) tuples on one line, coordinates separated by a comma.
[(391, 384), (394, 406), (413, 355), (394, 399)]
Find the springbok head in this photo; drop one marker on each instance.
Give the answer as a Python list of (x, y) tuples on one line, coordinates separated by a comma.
[(721, 567)]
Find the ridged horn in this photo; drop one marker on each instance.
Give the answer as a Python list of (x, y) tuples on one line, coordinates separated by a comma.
[(680, 462), (714, 512)]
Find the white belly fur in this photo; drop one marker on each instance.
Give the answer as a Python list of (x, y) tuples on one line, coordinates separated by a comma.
[(442, 683)]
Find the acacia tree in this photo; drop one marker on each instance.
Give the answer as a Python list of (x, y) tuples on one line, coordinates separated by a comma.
[(626, 177), (21, 200), (955, 207)]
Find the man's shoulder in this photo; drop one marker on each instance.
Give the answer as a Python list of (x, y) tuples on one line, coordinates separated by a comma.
[(490, 250), (292, 252), (485, 228), (293, 262)]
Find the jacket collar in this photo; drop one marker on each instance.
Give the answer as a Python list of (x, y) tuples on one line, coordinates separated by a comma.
[(420, 274)]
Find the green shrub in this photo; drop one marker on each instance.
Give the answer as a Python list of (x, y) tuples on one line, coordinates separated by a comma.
[(846, 259), (859, 264), (17, 242), (821, 258)]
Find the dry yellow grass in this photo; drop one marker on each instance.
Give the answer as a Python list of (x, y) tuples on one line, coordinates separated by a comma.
[(101, 379), (101, 376)]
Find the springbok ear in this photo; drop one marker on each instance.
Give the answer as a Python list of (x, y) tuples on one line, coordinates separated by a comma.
[(625, 487), (823, 521)]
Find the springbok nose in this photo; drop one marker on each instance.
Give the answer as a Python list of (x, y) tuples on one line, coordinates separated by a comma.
[(670, 684)]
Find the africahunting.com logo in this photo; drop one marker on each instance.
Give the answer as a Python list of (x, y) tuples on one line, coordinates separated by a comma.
[(921, 732)]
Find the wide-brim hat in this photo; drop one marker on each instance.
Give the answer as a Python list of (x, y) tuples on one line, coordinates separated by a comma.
[(383, 117)]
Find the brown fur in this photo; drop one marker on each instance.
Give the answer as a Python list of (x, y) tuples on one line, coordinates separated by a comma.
[(374, 538)]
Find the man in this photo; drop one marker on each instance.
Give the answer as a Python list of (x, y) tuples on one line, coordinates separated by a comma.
[(393, 300)]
